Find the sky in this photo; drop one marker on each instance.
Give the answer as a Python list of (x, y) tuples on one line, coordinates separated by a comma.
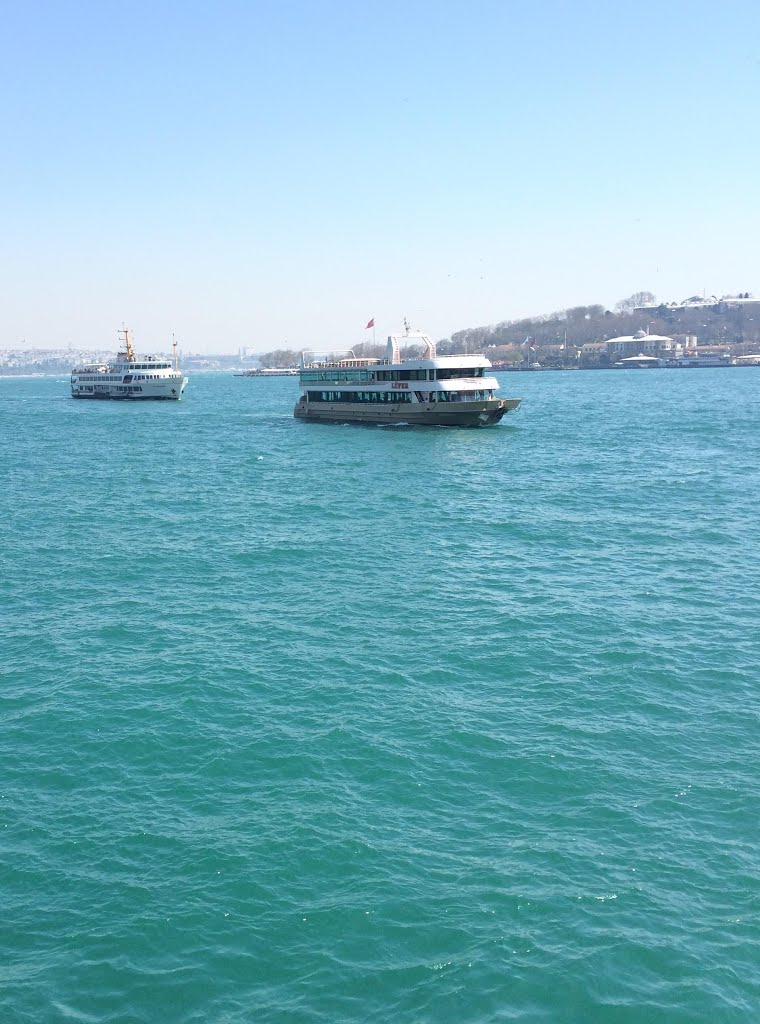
[(274, 174)]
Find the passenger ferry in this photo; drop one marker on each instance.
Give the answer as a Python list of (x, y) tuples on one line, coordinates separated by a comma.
[(130, 376), (451, 391)]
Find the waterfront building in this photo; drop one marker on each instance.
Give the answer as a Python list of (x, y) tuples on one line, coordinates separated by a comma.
[(640, 342)]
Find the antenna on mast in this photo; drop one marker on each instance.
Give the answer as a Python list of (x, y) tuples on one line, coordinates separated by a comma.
[(174, 346)]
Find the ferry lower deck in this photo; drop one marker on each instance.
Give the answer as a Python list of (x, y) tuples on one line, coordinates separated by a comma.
[(166, 389), (445, 414)]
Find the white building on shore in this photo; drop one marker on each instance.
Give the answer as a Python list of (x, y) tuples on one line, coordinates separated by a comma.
[(641, 343)]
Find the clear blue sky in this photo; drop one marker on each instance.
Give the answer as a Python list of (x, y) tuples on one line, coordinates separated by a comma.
[(276, 173)]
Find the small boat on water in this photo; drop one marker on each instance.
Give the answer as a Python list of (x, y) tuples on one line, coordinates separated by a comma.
[(431, 389), (278, 371), (130, 376)]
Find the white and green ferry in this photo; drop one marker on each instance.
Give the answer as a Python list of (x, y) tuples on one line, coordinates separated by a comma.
[(434, 390)]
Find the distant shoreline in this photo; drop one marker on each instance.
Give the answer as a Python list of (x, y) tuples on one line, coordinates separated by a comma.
[(495, 369), (565, 369)]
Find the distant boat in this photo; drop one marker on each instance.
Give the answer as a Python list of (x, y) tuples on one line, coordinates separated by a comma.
[(639, 362), (278, 371), (130, 377)]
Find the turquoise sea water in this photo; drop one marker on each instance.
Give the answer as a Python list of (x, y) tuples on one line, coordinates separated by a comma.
[(319, 724)]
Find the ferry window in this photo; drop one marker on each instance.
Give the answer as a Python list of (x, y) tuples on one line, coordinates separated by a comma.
[(449, 374)]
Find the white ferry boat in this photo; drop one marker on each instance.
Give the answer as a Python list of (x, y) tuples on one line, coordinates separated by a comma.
[(432, 389), (130, 376)]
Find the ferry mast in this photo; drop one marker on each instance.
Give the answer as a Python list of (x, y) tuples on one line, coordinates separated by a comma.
[(128, 344)]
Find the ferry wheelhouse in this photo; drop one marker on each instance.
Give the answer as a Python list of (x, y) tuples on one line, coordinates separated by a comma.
[(130, 376), (435, 390)]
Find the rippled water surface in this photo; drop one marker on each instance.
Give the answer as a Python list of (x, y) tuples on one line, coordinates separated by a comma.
[(322, 724)]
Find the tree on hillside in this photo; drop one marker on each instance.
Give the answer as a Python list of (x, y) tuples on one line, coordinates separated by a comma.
[(280, 357), (368, 350), (637, 299), (411, 351)]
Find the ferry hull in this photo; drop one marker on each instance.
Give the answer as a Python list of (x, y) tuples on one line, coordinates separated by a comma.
[(99, 393), (129, 398), (440, 414)]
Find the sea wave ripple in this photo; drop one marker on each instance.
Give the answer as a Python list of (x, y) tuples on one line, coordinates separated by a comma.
[(307, 723)]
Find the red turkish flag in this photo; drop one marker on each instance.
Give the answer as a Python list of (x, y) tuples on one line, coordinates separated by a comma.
[(371, 323)]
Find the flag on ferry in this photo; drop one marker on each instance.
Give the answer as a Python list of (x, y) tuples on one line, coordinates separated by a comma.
[(370, 324)]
